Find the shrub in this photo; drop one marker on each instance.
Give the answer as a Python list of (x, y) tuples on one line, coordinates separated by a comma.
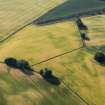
[(12, 62)]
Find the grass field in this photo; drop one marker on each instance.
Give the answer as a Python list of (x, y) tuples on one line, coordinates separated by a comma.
[(77, 70)]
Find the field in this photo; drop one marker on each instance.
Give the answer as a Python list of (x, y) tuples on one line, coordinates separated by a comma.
[(72, 9), (96, 30), (16, 14), (81, 76)]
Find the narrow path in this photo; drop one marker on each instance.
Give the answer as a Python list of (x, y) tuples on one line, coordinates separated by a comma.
[(76, 94)]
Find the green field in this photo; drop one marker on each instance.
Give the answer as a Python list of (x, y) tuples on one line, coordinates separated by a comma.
[(72, 9), (78, 71)]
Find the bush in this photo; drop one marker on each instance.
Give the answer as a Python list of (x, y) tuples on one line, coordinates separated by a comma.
[(12, 62), (100, 57)]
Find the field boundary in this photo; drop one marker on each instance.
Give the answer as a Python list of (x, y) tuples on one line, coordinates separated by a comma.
[(56, 56), (10, 35), (76, 94)]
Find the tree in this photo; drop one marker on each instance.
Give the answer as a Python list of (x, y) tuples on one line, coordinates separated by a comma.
[(84, 36), (81, 25), (46, 73), (23, 64), (12, 62), (49, 77), (100, 57)]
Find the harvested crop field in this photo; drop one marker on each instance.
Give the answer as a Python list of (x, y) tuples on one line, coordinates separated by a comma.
[(56, 46)]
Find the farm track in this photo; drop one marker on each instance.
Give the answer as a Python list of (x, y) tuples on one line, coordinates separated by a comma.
[(54, 57), (25, 14), (10, 35), (57, 56)]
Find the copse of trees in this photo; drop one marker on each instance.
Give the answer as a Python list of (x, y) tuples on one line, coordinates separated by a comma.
[(20, 64), (48, 76), (100, 57), (12, 62)]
